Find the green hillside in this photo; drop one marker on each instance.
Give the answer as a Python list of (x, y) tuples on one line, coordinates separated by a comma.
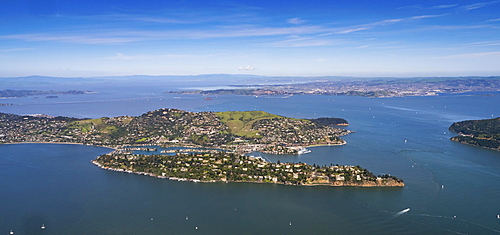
[(240, 122)]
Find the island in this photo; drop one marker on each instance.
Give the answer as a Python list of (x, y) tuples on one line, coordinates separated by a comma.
[(51, 93), (230, 167), (482, 133), (219, 144)]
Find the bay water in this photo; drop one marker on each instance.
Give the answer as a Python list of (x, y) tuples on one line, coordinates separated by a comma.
[(450, 188)]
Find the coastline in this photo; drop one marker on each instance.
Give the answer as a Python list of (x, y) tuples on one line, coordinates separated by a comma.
[(364, 184), (109, 147)]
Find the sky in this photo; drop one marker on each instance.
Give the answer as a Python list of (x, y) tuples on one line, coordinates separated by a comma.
[(74, 38)]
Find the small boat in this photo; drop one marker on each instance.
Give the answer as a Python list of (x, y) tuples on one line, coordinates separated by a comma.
[(303, 151), (11, 232), (290, 223), (187, 218), (43, 226), (498, 216)]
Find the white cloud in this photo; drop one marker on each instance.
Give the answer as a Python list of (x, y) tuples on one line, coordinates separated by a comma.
[(472, 55), (296, 21), (485, 43), (478, 5), (352, 30), (89, 39), (493, 20), (444, 6), (246, 68), (121, 56), (426, 16), (16, 49)]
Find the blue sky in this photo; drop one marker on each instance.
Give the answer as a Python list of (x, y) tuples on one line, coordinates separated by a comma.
[(73, 38)]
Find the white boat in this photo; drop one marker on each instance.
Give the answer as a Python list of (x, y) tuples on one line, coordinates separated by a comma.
[(11, 232), (43, 226), (303, 151)]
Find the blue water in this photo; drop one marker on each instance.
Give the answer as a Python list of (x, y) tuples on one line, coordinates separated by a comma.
[(450, 188)]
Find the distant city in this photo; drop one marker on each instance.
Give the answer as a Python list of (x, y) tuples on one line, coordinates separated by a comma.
[(367, 88)]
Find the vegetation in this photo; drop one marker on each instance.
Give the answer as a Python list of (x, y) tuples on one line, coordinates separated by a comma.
[(240, 123), (235, 131), (230, 167), (482, 133)]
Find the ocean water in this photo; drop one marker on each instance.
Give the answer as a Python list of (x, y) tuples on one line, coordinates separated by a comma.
[(450, 188)]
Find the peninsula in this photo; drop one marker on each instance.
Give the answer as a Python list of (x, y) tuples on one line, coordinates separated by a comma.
[(375, 88), (240, 132), (220, 140), (482, 133)]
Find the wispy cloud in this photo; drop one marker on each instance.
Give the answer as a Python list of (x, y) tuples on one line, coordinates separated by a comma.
[(479, 5), (16, 49), (352, 30), (485, 43), (493, 20), (296, 21), (121, 56), (472, 55), (297, 41), (444, 6), (427, 16), (89, 39)]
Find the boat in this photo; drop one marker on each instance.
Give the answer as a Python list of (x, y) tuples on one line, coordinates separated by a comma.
[(11, 232), (303, 151), (43, 226)]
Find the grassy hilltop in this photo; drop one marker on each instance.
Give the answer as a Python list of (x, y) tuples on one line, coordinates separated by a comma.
[(240, 122)]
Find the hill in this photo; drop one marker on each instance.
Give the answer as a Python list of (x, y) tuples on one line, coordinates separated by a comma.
[(232, 131), (482, 133)]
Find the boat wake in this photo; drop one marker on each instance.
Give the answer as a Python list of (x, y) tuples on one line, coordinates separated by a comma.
[(402, 212)]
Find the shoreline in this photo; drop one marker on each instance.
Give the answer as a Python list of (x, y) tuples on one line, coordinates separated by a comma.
[(71, 143), (370, 184)]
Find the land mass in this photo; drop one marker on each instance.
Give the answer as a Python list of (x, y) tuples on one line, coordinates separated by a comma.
[(366, 88), (231, 167), (482, 133), (220, 139), (51, 93), (239, 132)]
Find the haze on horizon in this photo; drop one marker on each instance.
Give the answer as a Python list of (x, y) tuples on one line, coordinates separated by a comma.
[(297, 38)]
